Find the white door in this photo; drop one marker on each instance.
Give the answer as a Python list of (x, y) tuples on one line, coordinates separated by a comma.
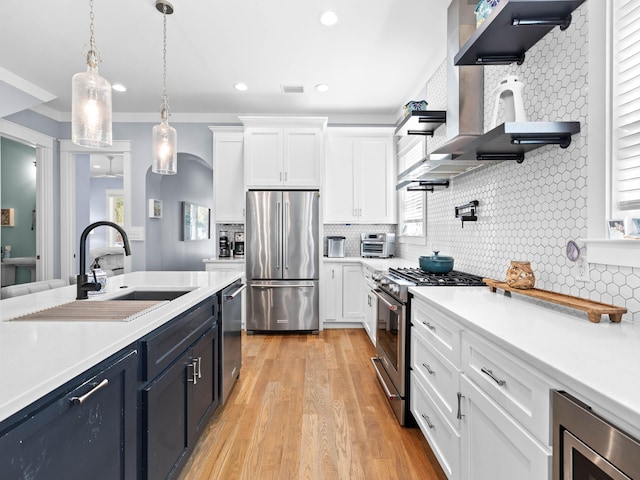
[(495, 446), (263, 157), (302, 160), (339, 194), (332, 291), (228, 177), (374, 160), (352, 305)]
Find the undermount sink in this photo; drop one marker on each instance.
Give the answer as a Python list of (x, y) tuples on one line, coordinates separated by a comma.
[(150, 295), (110, 309)]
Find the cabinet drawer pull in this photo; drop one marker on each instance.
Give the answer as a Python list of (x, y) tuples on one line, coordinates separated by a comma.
[(199, 359), (426, 419), (431, 372), (194, 374), (488, 372), (459, 415), (83, 398), (429, 326)]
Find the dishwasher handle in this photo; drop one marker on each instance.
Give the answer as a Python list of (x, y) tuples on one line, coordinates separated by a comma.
[(238, 291)]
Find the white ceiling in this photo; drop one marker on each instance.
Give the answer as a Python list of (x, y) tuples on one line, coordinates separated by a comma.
[(375, 59)]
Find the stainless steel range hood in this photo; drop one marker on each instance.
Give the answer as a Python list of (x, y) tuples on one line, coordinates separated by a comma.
[(465, 84), (465, 105)]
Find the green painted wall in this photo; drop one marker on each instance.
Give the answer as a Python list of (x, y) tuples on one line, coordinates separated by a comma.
[(18, 189)]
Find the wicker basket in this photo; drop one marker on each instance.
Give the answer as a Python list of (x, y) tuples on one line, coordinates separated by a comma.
[(520, 275)]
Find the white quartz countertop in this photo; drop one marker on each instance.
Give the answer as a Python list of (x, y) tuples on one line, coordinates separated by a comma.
[(597, 362), (378, 264), (37, 357), (223, 260)]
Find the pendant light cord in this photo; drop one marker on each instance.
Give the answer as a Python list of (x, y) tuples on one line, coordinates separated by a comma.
[(164, 113), (93, 57)]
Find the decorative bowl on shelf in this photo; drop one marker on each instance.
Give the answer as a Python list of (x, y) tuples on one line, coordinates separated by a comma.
[(419, 105), (483, 9)]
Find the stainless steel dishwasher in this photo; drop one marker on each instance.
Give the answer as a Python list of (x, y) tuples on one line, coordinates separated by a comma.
[(231, 337)]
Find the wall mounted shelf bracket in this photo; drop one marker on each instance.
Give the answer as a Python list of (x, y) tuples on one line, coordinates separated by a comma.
[(563, 23), (493, 157), (428, 185)]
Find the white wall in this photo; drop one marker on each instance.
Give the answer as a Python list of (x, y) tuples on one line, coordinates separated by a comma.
[(529, 211)]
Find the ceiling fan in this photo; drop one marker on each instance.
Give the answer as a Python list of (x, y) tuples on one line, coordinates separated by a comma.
[(110, 173)]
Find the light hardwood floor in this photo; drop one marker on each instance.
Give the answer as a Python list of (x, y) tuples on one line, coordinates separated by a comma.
[(309, 407)]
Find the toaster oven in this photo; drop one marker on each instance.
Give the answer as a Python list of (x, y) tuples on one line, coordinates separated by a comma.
[(380, 245)]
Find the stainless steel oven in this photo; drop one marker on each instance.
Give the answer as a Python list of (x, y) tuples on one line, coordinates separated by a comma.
[(390, 358), (391, 362), (587, 447)]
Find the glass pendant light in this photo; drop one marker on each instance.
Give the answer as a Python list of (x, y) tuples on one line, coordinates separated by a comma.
[(91, 101), (164, 136)]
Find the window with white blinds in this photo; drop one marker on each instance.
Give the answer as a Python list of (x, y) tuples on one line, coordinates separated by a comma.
[(625, 167), (412, 203)]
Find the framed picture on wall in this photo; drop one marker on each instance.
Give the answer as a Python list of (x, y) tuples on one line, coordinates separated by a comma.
[(155, 208), (7, 217), (616, 228), (195, 222)]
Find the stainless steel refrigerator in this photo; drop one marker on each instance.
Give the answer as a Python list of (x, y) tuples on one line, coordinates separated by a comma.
[(282, 258)]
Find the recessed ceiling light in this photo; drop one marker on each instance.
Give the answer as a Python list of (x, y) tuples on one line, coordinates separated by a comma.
[(118, 87), (241, 86), (329, 18), (322, 87)]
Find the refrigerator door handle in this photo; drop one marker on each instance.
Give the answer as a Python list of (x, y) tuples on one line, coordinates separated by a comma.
[(278, 233), (285, 285), (286, 218)]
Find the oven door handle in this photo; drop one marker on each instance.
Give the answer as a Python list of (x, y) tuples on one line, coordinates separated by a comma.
[(392, 307)]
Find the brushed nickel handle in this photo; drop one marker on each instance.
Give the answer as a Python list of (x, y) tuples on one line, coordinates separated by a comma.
[(426, 419), (199, 367), (83, 398), (431, 372), (194, 374), (488, 372), (238, 291), (459, 415), (429, 326)]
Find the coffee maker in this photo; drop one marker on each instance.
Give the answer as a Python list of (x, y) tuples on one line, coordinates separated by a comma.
[(238, 243), (225, 248)]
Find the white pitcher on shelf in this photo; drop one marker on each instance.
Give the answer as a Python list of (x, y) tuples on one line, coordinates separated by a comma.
[(509, 90)]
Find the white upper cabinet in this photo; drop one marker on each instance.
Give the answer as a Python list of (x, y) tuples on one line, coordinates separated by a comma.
[(359, 176), (283, 152), (228, 175)]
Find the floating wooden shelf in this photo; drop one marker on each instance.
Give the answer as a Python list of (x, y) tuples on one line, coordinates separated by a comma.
[(594, 310), (512, 28), (421, 122)]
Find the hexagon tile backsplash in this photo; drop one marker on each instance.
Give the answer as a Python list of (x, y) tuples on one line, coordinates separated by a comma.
[(529, 211)]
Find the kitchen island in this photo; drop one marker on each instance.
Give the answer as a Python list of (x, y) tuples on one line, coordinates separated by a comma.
[(37, 357)]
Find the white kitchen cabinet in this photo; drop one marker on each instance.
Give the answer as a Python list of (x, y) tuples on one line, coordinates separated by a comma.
[(283, 152), (228, 175), (342, 291), (485, 413), (352, 308), (359, 176), (370, 313), (494, 445)]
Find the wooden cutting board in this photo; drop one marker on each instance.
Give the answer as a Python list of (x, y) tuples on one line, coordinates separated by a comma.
[(100, 311), (594, 309)]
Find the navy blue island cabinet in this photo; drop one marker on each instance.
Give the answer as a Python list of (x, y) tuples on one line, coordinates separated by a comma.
[(86, 429), (181, 392), (135, 416)]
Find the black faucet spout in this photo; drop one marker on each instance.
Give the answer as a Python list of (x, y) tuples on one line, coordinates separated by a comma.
[(83, 286)]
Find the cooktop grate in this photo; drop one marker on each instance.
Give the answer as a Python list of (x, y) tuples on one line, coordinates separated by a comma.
[(452, 278)]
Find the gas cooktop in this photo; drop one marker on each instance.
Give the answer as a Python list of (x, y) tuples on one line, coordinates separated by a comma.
[(453, 278)]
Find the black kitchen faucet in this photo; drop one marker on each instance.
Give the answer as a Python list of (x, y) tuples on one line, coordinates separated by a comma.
[(82, 280)]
